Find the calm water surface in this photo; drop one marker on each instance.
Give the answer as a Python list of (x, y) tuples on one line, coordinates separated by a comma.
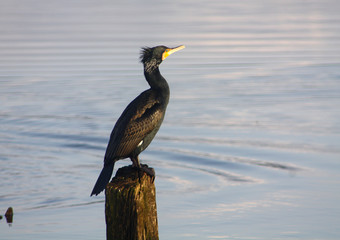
[(250, 146)]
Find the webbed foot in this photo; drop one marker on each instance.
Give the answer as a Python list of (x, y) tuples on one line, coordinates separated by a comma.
[(148, 170)]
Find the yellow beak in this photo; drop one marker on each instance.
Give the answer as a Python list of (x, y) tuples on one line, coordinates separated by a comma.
[(170, 51)]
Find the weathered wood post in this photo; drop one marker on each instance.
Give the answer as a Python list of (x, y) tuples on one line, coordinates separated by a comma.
[(130, 206)]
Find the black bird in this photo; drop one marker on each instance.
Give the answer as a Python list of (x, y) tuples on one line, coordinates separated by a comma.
[(140, 121)]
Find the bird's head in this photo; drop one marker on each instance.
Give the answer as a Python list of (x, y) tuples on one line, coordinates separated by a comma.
[(152, 57)]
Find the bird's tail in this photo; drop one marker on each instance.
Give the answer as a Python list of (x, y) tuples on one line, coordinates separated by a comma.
[(103, 179)]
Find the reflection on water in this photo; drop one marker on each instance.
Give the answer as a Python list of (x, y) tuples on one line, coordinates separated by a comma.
[(249, 148)]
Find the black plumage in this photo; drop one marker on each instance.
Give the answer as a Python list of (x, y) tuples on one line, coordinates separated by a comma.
[(140, 121)]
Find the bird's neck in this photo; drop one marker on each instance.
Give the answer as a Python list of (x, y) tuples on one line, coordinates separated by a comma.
[(157, 81)]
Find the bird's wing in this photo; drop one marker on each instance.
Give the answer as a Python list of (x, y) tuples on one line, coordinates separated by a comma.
[(139, 118)]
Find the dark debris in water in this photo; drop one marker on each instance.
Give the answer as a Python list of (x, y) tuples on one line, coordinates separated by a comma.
[(9, 216)]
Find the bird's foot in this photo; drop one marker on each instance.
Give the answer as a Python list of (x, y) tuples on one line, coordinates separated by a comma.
[(148, 170), (145, 168)]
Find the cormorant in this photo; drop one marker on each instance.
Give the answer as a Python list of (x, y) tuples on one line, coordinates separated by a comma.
[(140, 121)]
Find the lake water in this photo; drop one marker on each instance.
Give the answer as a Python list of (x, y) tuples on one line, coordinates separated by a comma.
[(250, 145)]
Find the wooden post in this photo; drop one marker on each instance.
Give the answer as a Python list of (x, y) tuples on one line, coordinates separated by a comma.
[(130, 206)]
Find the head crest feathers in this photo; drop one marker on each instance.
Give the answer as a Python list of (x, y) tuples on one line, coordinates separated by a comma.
[(145, 54)]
